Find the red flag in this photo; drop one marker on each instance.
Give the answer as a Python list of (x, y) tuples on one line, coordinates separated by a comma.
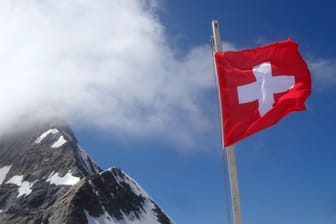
[(260, 86)]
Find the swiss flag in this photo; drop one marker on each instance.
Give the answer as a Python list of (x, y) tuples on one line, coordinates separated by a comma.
[(260, 86)]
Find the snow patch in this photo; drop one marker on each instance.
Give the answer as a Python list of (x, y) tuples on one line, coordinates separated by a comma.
[(45, 134), (147, 217), (105, 218), (67, 179), (24, 186), (3, 173), (61, 141)]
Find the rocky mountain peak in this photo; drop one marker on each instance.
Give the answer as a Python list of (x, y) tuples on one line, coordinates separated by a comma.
[(46, 177)]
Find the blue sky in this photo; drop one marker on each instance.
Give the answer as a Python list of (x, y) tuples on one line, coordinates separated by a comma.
[(135, 80), (286, 173)]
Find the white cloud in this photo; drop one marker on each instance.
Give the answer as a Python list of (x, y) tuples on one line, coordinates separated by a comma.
[(104, 63), (323, 72)]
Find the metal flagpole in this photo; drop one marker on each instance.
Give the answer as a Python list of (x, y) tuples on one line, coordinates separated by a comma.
[(231, 158)]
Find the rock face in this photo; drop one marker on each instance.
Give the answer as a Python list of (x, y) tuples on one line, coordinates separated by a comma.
[(45, 177)]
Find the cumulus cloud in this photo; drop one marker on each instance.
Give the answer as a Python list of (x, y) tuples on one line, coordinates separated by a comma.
[(105, 64)]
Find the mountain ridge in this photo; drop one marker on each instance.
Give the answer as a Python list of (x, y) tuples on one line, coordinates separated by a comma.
[(46, 177)]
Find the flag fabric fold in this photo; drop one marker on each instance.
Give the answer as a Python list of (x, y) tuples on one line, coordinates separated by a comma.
[(258, 87)]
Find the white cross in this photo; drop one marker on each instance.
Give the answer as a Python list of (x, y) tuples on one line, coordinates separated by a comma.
[(265, 86)]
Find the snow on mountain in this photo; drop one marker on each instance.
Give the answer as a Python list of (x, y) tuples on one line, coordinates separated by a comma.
[(137, 207), (25, 187), (45, 134), (39, 184), (3, 173), (67, 179), (104, 218), (61, 141)]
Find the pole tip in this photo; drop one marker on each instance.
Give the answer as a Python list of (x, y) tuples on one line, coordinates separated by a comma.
[(215, 22)]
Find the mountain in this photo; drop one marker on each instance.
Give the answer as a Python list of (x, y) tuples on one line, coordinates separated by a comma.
[(47, 178)]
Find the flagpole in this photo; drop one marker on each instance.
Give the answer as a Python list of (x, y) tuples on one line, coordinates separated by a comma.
[(231, 158)]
